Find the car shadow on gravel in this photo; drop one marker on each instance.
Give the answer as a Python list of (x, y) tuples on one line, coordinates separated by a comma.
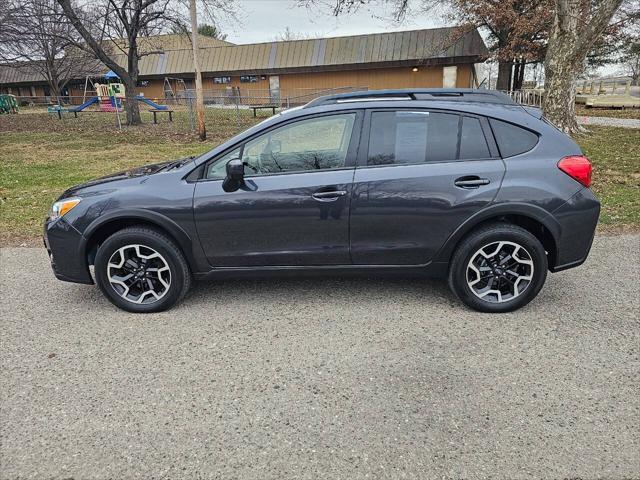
[(324, 288)]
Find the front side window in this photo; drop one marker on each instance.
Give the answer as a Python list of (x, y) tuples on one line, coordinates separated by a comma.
[(316, 144), (404, 137), (219, 168)]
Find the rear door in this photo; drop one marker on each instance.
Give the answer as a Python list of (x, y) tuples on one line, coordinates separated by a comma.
[(420, 174)]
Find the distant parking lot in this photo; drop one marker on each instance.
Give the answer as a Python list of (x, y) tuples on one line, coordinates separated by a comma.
[(322, 378)]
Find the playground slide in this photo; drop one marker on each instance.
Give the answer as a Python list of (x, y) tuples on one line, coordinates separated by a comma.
[(79, 108), (152, 104)]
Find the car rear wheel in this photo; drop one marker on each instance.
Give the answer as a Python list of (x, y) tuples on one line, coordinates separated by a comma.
[(141, 270), (498, 268)]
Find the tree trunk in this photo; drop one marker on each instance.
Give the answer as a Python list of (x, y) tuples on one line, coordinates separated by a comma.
[(131, 104), (130, 80), (559, 104), (570, 39), (202, 128), (520, 78), (561, 70), (504, 76), (516, 76), (56, 92)]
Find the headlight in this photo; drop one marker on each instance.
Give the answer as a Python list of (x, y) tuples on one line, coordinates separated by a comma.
[(61, 207)]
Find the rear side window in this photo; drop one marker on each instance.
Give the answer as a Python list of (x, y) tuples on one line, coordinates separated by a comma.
[(512, 140), (472, 141), (404, 137)]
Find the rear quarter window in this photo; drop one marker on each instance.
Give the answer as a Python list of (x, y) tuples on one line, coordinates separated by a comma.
[(511, 139)]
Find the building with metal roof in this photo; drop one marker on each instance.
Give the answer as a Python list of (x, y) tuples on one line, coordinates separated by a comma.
[(440, 57)]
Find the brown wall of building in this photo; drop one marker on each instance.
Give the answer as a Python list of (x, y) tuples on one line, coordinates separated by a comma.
[(292, 84), (373, 79), (155, 89)]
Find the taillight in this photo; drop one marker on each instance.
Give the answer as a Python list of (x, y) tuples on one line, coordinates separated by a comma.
[(577, 167)]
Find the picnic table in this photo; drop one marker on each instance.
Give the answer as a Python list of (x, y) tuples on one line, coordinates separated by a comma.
[(271, 106), (155, 111)]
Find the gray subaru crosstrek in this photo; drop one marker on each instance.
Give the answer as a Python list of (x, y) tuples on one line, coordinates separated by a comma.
[(461, 184)]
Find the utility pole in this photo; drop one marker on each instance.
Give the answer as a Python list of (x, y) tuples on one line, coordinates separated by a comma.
[(202, 129)]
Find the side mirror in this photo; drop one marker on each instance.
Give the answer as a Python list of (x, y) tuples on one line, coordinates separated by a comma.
[(235, 175), (235, 169)]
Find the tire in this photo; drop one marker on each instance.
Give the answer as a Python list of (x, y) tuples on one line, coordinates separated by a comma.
[(160, 268), (476, 276)]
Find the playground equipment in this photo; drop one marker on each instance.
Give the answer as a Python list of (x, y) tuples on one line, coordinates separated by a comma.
[(170, 87), (153, 105), (110, 96), (8, 104)]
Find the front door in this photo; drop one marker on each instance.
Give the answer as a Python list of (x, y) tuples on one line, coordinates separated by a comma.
[(294, 206), (274, 88), (421, 174)]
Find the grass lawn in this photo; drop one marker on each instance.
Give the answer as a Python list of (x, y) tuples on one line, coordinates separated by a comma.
[(615, 153), (634, 113), (40, 156)]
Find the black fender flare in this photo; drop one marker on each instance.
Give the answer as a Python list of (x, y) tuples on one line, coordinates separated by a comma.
[(185, 242), (534, 212)]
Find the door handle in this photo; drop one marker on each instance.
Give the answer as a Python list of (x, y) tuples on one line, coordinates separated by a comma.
[(330, 196), (471, 182)]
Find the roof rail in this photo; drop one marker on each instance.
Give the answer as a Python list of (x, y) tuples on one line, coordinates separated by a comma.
[(448, 94)]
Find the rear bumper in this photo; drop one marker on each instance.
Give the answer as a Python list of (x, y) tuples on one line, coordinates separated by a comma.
[(578, 218), (63, 244)]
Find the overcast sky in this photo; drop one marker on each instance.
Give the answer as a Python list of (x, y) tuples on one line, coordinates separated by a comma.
[(263, 20)]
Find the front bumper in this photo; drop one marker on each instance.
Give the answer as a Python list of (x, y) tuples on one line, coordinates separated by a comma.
[(63, 244), (578, 218)]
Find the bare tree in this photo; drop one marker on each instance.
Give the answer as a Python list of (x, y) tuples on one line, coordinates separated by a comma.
[(9, 30), (115, 27), (38, 40), (631, 62), (288, 34), (627, 40), (576, 27)]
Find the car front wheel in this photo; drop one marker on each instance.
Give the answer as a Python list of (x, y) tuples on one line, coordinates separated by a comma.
[(498, 268), (141, 270)]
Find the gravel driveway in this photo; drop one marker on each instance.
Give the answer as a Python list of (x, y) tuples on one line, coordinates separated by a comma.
[(609, 121), (322, 378)]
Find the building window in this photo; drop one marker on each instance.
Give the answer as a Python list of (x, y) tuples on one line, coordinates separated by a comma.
[(221, 80), (249, 79)]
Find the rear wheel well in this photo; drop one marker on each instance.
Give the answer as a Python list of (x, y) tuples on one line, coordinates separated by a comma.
[(105, 231), (533, 226)]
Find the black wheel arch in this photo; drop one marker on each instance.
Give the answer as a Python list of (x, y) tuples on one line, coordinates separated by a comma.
[(105, 225), (532, 218)]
